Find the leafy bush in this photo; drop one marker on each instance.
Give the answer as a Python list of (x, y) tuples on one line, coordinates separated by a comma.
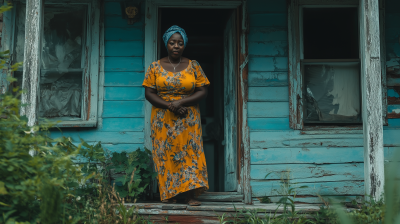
[(135, 172)]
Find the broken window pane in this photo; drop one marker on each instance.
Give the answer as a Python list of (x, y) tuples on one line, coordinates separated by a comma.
[(63, 36), (61, 73), (332, 93), (60, 94)]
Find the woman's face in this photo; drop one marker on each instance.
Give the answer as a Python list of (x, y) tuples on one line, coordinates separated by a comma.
[(175, 46)]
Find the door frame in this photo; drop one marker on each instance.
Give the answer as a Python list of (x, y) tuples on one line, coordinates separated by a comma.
[(151, 42)]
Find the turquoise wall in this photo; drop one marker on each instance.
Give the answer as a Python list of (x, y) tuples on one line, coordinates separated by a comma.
[(122, 119), (329, 162)]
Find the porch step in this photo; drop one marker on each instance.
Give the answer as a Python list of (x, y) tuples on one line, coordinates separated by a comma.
[(221, 197), (208, 212)]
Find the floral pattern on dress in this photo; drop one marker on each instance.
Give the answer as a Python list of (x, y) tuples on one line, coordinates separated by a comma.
[(177, 152)]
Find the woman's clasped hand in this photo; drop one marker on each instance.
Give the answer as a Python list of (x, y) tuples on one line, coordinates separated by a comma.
[(177, 108)]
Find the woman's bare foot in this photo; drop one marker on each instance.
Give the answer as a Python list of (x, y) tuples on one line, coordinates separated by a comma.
[(190, 199)]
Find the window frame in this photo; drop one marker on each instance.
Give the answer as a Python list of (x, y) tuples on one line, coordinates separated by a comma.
[(295, 56), (90, 57)]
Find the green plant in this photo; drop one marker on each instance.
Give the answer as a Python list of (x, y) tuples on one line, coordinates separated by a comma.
[(369, 211), (135, 172)]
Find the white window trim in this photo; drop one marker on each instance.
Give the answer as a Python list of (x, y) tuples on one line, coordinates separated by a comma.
[(91, 71), (295, 75)]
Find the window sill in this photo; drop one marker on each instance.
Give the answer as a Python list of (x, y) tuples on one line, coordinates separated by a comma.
[(76, 124), (322, 130)]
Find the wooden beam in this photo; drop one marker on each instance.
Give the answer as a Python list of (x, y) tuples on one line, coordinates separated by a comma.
[(32, 50), (371, 98), (243, 130), (294, 74)]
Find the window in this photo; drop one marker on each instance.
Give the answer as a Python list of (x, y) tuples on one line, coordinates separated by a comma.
[(325, 64), (330, 65), (69, 61)]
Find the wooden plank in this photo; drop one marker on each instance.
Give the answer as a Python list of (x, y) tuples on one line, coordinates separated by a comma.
[(391, 137), (124, 64), (294, 73), (243, 127), (32, 56), (123, 109), (308, 199), (267, 188), (230, 104), (122, 147), (123, 124), (356, 142), (268, 19), (124, 93), (393, 96), (228, 198), (118, 33), (118, 21), (269, 94), (274, 33), (319, 155), (266, 7), (393, 122), (382, 25), (309, 172), (123, 78), (151, 29), (277, 139), (394, 111), (268, 109), (270, 79), (104, 137), (262, 124), (371, 98), (124, 48), (268, 64), (174, 207), (268, 48)]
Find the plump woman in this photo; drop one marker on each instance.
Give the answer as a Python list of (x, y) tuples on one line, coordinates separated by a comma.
[(174, 86)]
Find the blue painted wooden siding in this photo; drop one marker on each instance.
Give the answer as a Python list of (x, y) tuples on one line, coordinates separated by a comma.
[(330, 163), (122, 123)]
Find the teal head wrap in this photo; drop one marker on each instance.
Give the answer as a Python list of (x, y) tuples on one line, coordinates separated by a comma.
[(175, 29)]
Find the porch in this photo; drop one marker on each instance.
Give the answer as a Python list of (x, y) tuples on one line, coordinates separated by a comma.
[(211, 212)]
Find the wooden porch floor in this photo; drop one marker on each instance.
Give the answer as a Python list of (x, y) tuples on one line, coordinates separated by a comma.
[(208, 212)]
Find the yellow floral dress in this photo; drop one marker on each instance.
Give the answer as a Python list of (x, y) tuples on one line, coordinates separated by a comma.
[(177, 141)]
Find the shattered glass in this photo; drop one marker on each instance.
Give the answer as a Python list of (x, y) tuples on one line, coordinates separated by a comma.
[(332, 93), (61, 65)]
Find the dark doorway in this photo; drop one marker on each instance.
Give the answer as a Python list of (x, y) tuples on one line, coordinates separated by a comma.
[(205, 30)]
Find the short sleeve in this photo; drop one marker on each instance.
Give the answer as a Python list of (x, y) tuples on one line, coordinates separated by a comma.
[(150, 77), (201, 78)]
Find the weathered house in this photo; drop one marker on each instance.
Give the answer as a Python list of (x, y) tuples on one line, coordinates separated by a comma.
[(310, 86)]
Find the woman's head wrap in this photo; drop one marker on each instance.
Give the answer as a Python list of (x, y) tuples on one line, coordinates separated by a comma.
[(175, 29)]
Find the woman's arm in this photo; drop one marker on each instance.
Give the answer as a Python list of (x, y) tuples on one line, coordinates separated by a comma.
[(199, 94), (154, 99)]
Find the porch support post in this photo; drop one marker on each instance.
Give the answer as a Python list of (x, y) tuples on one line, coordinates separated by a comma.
[(32, 50), (371, 99)]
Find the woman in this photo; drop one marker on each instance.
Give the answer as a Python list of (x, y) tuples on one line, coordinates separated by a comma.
[(174, 86)]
